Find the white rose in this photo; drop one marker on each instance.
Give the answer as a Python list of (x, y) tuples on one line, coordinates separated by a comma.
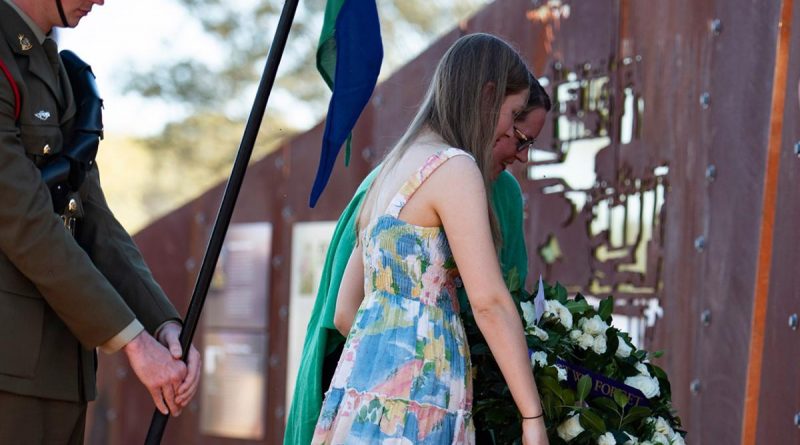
[(570, 428), (647, 385), (662, 426), (606, 439), (565, 317), (623, 349), (632, 440), (659, 439), (678, 440), (642, 369), (585, 341), (562, 373), (575, 334), (539, 358), (540, 333), (554, 309), (599, 345), (528, 313), (594, 325)]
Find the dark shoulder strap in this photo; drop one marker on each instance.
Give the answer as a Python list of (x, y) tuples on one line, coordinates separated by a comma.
[(13, 88)]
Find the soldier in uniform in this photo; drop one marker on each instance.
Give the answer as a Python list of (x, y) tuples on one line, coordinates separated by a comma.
[(66, 289)]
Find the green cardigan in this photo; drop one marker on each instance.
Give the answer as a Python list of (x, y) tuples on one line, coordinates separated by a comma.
[(322, 336)]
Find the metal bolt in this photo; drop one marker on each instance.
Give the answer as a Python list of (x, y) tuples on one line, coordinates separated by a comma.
[(694, 387), (716, 26), (277, 261), (711, 173), (274, 360), (366, 153), (700, 243), (287, 213), (793, 322), (705, 317), (705, 100), (797, 149)]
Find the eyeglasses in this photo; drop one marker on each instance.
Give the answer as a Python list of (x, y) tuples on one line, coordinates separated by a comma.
[(524, 142)]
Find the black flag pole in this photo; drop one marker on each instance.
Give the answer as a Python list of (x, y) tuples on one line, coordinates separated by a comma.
[(159, 421)]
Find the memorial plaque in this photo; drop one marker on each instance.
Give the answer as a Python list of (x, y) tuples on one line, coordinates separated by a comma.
[(239, 289), (310, 241), (233, 384)]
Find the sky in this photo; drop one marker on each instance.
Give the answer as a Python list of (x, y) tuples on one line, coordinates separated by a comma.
[(120, 36), (124, 35)]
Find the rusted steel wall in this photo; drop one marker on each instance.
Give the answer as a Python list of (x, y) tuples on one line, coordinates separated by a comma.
[(646, 183)]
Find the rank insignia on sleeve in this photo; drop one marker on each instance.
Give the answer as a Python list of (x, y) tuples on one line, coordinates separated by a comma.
[(24, 43)]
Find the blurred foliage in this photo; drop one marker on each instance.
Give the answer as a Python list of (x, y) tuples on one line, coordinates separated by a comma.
[(164, 171)]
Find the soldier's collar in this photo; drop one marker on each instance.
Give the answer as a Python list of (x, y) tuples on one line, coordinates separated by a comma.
[(34, 28)]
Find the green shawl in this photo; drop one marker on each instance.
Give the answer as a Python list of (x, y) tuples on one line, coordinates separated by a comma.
[(322, 336)]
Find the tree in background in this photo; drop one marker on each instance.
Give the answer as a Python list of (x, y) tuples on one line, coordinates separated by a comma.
[(218, 85)]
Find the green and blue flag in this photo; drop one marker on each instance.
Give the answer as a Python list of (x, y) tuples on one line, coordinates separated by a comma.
[(349, 58)]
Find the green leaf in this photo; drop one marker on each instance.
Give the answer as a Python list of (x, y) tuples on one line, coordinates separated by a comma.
[(591, 421), (636, 413), (578, 307), (658, 372), (550, 384), (604, 404), (561, 293), (621, 398), (583, 387), (656, 354), (606, 308)]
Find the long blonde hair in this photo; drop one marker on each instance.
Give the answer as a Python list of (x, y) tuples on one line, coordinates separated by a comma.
[(462, 104)]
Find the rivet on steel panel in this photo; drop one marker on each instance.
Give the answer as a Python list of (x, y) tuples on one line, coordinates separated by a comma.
[(711, 173), (705, 317), (716, 26), (366, 153), (287, 213), (700, 243), (694, 387), (705, 100), (793, 322), (277, 261)]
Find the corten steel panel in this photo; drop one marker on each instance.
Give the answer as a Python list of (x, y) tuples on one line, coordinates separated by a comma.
[(738, 119), (780, 380), (672, 41), (663, 54)]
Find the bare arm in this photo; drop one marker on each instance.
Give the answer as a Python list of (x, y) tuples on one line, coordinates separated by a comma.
[(463, 210), (351, 292)]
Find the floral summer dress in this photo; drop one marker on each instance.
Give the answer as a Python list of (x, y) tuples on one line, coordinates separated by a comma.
[(404, 376)]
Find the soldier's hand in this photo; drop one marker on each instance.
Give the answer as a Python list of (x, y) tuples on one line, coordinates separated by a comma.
[(169, 336), (160, 373)]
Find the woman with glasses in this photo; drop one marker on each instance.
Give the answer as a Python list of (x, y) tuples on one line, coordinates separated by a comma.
[(324, 343), (405, 371)]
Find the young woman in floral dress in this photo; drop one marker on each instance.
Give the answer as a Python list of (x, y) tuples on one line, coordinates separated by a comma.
[(405, 376)]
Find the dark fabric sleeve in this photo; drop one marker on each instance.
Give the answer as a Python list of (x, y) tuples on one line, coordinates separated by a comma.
[(38, 256)]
